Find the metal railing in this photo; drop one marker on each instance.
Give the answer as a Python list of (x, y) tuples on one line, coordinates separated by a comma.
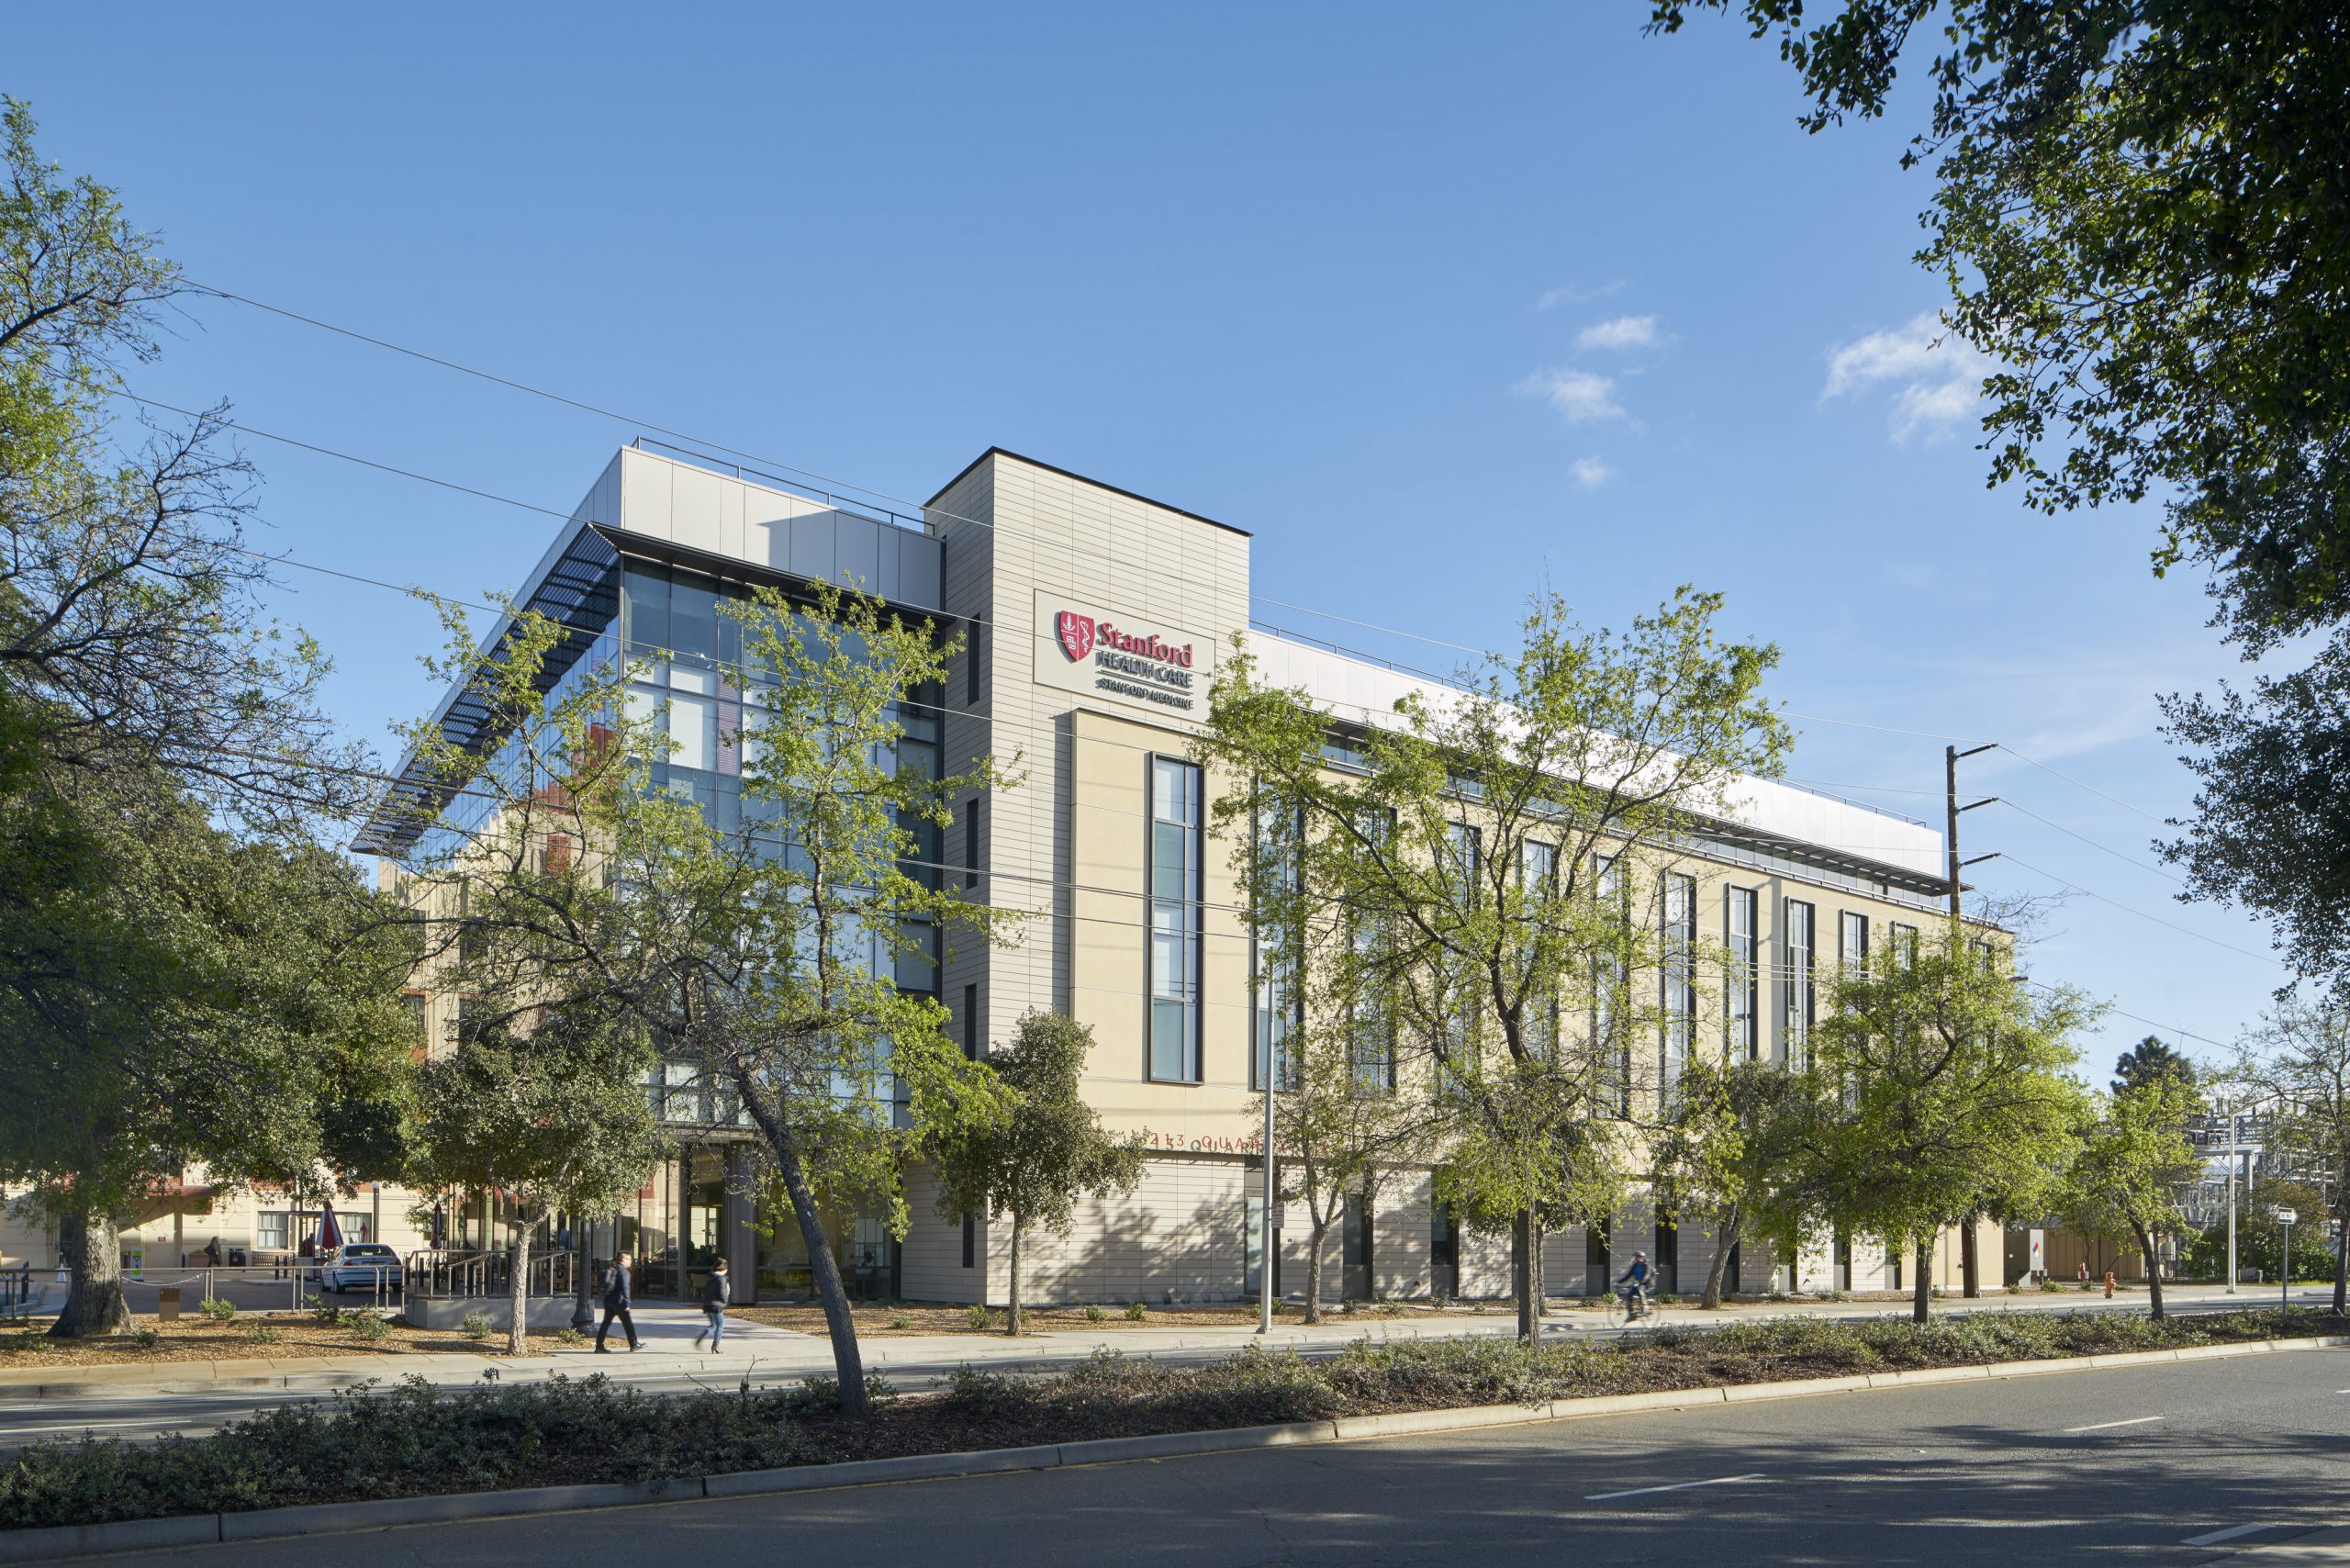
[(16, 1292), (439, 1273)]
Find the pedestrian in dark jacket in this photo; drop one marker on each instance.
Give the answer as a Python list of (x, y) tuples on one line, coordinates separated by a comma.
[(616, 1304), (714, 1291)]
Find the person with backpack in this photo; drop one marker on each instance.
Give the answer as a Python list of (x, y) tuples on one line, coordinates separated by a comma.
[(715, 1287), (616, 1304)]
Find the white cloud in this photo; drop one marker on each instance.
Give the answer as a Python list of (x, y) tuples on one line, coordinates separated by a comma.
[(1578, 395), (1591, 473), (1568, 294), (1623, 332), (1939, 378)]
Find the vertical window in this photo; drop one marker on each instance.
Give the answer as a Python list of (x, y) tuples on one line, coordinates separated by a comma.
[(1175, 918), (971, 1021), (1739, 984), (1905, 944), (1610, 1040), (1851, 942), (973, 659), (1679, 971), (1371, 1039), (1277, 992), (974, 841), (1537, 874), (970, 1241), (1796, 1014)]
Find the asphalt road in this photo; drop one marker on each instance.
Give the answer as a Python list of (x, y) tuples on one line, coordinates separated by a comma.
[(2143, 1464)]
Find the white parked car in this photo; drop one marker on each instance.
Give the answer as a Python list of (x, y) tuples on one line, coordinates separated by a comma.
[(358, 1266)]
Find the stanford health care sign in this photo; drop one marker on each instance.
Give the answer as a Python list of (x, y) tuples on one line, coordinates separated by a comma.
[(1092, 649)]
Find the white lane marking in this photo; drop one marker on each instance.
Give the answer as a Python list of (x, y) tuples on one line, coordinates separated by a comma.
[(1676, 1487), (2217, 1536), (2103, 1426), (83, 1426)]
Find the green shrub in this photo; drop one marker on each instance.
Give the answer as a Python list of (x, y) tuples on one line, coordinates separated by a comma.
[(319, 1308), (264, 1334), (367, 1327), (1136, 1312), (902, 1321), (977, 1316), (219, 1309), (567, 1334), (1093, 1314), (477, 1326), (145, 1339)]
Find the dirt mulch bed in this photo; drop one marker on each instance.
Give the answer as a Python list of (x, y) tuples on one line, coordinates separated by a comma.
[(283, 1336)]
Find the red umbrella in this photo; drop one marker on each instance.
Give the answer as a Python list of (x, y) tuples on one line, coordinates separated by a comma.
[(330, 1231)]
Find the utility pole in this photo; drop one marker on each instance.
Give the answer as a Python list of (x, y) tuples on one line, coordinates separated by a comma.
[(1970, 1270), (2231, 1200)]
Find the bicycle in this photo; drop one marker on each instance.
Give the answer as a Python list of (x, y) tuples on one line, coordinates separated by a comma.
[(1621, 1312)]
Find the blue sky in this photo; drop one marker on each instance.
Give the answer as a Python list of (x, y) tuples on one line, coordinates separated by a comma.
[(1443, 310)]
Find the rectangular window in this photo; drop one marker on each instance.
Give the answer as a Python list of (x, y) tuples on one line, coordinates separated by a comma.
[(971, 1021), (1679, 971), (1538, 877), (970, 1241), (1278, 995), (1905, 944), (975, 842), (1371, 1036), (1852, 943), (1739, 984), (1611, 1038), (269, 1231), (973, 659), (1797, 978), (1175, 920)]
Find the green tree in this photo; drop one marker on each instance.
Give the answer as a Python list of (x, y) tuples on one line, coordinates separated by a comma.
[(130, 633), (761, 959), (2136, 209), (1720, 1153), (171, 996), (553, 1118), (2133, 1162), (1487, 847), (2151, 1062), (1042, 1150), (1954, 1100), (2300, 1062)]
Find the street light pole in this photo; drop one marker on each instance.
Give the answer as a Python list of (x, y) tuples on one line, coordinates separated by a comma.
[(2231, 1200)]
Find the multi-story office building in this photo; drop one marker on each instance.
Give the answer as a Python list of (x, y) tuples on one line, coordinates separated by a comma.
[(1092, 618)]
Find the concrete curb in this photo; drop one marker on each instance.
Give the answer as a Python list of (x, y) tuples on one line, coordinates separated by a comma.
[(322, 1519)]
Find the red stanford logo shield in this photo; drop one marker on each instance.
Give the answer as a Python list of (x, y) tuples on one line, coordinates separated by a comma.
[(1077, 634)]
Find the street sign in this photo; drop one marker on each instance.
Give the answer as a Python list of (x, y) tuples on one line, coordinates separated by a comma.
[(2285, 1216), (1290, 1216), (2039, 1251)]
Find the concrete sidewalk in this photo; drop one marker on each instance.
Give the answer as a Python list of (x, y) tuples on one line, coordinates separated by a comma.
[(770, 1356)]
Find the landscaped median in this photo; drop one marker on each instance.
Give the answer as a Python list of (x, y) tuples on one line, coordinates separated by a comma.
[(413, 1453)]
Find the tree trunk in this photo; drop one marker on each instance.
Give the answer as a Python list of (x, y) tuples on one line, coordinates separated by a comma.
[(1316, 1230), (2342, 1272), (1011, 1314), (848, 1363), (1921, 1295), (1970, 1272), (1529, 1272), (2154, 1269), (1726, 1224), (517, 1284), (94, 1304)]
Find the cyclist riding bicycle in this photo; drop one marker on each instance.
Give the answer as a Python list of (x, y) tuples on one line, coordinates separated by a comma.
[(1634, 1283)]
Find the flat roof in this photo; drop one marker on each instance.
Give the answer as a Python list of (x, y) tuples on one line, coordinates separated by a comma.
[(1083, 479)]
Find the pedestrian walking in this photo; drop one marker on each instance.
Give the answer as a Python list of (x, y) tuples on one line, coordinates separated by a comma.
[(616, 1304), (714, 1291)]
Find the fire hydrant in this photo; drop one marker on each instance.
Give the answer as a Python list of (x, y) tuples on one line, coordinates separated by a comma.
[(2109, 1285)]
